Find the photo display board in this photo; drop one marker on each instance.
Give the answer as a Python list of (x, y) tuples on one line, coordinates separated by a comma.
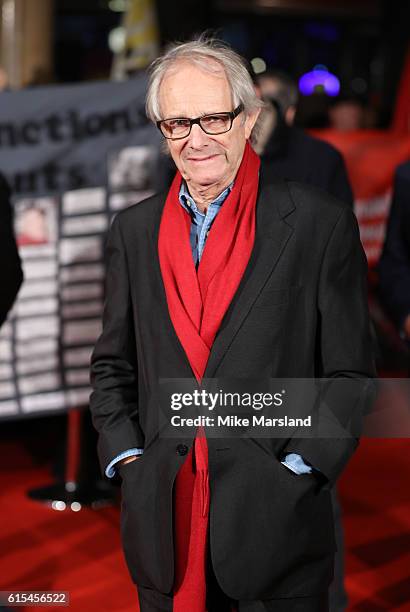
[(74, 156)]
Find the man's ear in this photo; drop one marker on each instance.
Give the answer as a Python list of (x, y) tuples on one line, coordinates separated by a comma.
[(250, 121)]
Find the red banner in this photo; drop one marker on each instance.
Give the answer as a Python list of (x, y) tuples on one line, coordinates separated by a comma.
[(371, 158)]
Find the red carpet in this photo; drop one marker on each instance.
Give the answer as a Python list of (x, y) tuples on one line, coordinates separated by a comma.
[(375, 494), (80, 552)]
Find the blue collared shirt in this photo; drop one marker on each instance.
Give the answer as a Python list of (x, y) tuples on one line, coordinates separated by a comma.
[(201, 224)]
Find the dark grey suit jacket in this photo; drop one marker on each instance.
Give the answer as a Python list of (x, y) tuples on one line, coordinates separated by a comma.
[(300, 311)]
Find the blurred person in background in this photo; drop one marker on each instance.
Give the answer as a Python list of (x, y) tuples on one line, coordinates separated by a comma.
[(347, 113), (394, 265), (287, 152), (11, 274)]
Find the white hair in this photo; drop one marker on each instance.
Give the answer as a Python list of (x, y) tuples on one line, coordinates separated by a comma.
[(208, 54)]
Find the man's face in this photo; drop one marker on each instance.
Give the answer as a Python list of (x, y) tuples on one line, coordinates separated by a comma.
[(202, 159)]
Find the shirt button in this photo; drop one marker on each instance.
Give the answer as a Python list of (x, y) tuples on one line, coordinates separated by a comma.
[(182, 449)]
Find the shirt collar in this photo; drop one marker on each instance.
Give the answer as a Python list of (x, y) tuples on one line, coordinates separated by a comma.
[(188, 202)]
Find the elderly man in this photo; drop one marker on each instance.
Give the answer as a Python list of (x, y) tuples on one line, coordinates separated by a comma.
[(224, 278)]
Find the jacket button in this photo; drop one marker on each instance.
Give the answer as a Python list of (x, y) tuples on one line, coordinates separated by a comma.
[(182, 449)]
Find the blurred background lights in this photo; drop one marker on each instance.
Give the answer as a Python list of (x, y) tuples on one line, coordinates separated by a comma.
[(258, 65), (118, 6), (58, 505), (75, 506), (116, 39), (319, 80)]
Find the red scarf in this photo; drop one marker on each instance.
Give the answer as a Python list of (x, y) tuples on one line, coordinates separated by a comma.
[(197, 303)]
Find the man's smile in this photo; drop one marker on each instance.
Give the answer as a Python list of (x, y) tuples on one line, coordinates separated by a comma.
[(203, 159)]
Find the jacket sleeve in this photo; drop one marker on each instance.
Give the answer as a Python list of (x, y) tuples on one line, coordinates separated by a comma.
[(114, 399), (11, 275), (345, 353)]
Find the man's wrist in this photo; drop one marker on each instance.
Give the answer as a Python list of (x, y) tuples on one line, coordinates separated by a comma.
[(128, 459)]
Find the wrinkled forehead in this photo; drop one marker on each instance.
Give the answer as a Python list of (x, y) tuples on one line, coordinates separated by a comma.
[(194, 88)]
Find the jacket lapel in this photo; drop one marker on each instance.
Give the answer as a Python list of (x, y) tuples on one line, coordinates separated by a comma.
[(273, 231), (272, 234)]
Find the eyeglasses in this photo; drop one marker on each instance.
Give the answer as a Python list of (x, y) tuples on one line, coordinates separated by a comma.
[(180, 127)]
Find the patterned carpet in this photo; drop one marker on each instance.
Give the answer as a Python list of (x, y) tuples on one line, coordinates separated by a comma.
[(80, 552)]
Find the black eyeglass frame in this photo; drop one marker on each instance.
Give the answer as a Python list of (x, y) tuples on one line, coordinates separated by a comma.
[(231, 114)]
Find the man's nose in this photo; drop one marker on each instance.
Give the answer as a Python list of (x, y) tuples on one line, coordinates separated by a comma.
[(197, 137)]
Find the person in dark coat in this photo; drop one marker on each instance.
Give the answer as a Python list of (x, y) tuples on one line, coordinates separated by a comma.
[(225, 277), (287, 152), (394, 265), (11, 274)]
